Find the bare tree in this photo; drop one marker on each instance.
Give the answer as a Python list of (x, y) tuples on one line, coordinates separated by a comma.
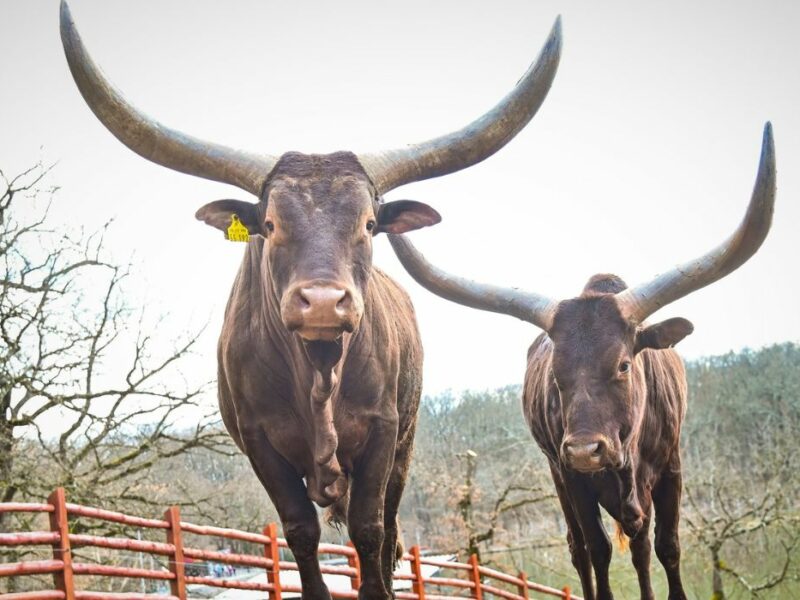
[(720, 517), (85, 400), (482, 523)]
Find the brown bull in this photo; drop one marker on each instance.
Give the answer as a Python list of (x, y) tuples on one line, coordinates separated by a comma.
[(605, 395), (319, 357)]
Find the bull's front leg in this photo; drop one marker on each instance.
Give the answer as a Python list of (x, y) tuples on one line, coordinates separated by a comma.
[(640, 545), (366, 513), (298, 516), (667, 502), (640, 557), (392, 546), (578, 550), (587, 512)]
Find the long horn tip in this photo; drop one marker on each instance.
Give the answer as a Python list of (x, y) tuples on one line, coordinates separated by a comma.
[(69, 34), (65, 15), (766, 167), (768, 142), (553, 45)]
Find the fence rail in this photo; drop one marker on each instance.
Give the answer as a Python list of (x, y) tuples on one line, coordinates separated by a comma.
[(463, 578)]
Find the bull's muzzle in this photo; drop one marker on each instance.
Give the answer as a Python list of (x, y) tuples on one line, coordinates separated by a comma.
[(320, 311), (589, 453)]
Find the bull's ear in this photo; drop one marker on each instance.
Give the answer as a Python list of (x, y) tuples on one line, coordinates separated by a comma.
[(664, 334), (401, 216), (218, 214)]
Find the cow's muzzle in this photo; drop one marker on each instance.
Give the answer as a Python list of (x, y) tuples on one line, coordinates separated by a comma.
[(321, 311), (589, 453)]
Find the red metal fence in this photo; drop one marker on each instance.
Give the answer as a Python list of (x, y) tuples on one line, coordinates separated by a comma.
[(470, 580)]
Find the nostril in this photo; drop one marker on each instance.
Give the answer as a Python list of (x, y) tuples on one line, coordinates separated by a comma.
[(594, 449), (344, 301), (303, 300), (602, 448)]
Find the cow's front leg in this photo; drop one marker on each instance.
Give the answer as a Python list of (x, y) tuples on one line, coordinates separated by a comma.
[(298, 516), (392, 548), (587, 510), (365, 516), (640, 557), (577, 545), (640, 545), (667, 502)]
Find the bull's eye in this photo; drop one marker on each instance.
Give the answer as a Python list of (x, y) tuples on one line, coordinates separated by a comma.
[(270, 226), (624, 366), (370, 224)]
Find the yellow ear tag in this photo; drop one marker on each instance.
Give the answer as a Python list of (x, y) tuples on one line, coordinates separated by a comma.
[(237, 232)]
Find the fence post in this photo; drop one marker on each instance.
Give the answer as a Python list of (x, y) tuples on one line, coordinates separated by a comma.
[(477, 592), (523, 587), (177, 563), (567, 592), (272, 552), (418, 584), (59, 522), (354, 563)]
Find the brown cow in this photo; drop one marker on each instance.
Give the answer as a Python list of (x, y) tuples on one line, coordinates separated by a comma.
[(605, 394), (319, 357)]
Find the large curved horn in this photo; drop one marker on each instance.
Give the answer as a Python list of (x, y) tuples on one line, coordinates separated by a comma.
[(527, 306), (478, 140), (643, 300), (149, 138)]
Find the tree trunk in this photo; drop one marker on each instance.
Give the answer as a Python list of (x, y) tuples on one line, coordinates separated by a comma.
[(717, 592), (7, 489)]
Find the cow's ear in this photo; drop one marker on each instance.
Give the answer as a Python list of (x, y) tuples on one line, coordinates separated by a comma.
[(401, 216), (664, 334), (219, 213)]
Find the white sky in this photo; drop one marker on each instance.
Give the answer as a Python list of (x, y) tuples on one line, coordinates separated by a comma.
[(643, 155)]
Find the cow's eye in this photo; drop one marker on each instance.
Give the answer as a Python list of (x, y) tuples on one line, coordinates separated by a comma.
[(370, 225), (270, 226), (624, 366)]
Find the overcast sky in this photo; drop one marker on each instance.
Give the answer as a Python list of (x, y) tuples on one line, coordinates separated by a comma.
[(643, 155)]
